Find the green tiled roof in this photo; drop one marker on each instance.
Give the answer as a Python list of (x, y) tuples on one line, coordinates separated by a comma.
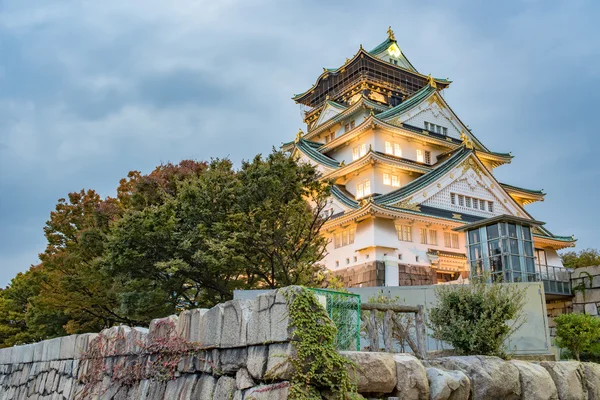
[(406, 105), (335, 104), (309, 148), (536, 192), (384, 45), (424, 180), (341, 196)]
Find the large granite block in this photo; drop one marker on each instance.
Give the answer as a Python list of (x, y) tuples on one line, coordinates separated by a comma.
[(210, 327), (51, 349), (163, 328), (257, 361), (196, 324), (67, 347), (236, 314), (6, 355)]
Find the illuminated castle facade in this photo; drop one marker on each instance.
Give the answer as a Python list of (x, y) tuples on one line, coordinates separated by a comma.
[(407, 174)]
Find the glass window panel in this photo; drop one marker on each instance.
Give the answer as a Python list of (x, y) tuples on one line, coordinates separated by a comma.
[(355, 155), (395, 181), (526, 233), (468, 199), (351, 235), (494, 247), (475, 203), (474, 236), (512, 230), (514, 246), (495, 264), (528, 246), (475, 252), (515, 263), (529, 265), (420, 155), (493, 231), (433, 237), (423, 232), (367, 187), (517, 277)]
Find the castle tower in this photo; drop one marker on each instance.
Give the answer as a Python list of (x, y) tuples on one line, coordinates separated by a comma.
[(408, 174)]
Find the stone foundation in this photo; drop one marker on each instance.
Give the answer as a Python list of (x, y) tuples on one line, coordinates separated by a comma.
[(238, 351), (373, 274)]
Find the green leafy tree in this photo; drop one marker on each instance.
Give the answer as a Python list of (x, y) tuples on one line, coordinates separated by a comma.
[(477, 318), (222, 230), (583, 258), (578, 333)]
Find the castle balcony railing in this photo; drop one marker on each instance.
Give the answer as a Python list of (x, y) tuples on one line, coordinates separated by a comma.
[(557, 280)]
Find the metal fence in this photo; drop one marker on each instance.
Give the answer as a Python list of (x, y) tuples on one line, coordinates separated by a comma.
[(344, 311)]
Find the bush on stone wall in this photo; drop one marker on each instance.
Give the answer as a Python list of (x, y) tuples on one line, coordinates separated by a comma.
[(578, 333), (477, 318)]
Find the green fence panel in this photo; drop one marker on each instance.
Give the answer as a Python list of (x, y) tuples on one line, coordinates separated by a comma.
[(344, 311)]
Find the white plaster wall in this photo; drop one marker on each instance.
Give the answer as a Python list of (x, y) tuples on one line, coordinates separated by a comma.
[(433, 114), (409, 147), (382, 232), (344, 152), (368, 174)]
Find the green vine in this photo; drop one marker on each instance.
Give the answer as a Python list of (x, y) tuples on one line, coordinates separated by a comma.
[(316, 363)]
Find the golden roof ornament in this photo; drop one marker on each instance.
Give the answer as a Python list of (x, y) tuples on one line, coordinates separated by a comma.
[(390, 33), (466, 141), (431, 81), (299, 135)]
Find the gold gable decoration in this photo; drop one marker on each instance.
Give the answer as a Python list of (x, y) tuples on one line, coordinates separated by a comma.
[(408, 204), (390, 33)]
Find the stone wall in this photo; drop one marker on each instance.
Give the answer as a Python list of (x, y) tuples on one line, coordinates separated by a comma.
[(245, 345), (372, 274), (586, 301)]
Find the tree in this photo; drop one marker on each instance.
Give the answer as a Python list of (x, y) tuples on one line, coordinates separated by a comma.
[(222, 230), (577, 332), (583, 258), (474, 318)]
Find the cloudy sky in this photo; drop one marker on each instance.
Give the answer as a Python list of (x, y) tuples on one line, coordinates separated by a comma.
[(90, 90)]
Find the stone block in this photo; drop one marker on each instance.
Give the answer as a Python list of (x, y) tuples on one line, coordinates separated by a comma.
[(6, 355), (590, 309), (232, 360), (67, 347), (257, 361), (224, 388), (275, 391), (204, 388), (173, 388), (374, 372), (162, 328), (411, 378), (592, 380), (536, 382), (136, 340), (51, 349), (269, 322), (210, 327), (196, 323), (82, 343), (243, 380), (184, 324), (569, 379), (279, 366), (236, 314), (491, 377)]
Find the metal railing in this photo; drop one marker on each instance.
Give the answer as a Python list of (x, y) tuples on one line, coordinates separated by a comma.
[(344, 311), (557, 280)]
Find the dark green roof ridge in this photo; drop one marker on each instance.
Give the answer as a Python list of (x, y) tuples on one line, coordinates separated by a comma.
[(308, 148), (412, 101), (532, 191)]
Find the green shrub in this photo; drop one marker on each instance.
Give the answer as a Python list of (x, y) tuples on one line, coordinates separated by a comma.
[(477, 318), (577, 333)]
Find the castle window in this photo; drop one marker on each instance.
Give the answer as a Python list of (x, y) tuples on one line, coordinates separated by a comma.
[(344, 238), (404, 233), (427, 157), (427, 126), (363, 189), (490, 206), (423, 233), (363, 149), (399, 256), (386, 179), (475, 203), (433, 237), (451, 240), (337, 263), (347, 261), (461, 200), (445, 131), (388, 148), (420, 155), (397, 150), (349, 126), (355, 155), (417, 258), (436, 128), (395, 181), (355, 259), (468, 199), (453, 198)]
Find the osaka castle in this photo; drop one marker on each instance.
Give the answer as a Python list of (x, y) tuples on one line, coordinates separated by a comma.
[(414, 197)]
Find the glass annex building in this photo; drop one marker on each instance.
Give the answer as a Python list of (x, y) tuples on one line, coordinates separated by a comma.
[(501, 249)]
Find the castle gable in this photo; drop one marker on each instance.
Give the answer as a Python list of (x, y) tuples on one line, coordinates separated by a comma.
[(466, 188), (330, 110)]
